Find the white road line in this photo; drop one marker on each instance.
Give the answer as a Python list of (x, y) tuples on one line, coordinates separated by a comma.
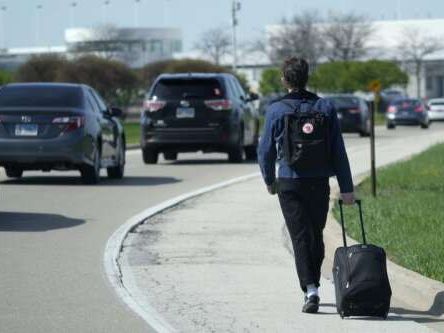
[(114, 246)]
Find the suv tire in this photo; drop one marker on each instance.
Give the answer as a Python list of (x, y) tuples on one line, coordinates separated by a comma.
[(13, 172), (150, 156)]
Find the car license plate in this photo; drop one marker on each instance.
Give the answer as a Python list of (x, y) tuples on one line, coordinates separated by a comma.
[(185, 113), (339, 116), (26, 130)]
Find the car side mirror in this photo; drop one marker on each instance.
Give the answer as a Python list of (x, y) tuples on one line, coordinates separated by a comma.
[(115, 112)]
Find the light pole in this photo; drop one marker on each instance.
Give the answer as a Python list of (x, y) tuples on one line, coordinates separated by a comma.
[(3, 27), (37, 23), (136, 13), (104, 10), (165, 12), (235, 8), (73, 6)]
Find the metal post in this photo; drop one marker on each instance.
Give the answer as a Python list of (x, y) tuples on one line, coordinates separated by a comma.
[(104, 11), (236, 7), (372, 143)]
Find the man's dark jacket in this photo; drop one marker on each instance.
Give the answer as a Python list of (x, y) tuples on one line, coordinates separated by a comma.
[(270, 145)]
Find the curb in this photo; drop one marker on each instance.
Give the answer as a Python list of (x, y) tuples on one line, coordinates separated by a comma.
[(114, 245)]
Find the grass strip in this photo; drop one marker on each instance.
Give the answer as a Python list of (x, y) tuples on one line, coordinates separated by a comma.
[(407, 217)]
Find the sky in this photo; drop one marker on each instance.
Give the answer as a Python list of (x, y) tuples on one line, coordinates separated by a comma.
[(28, 23)]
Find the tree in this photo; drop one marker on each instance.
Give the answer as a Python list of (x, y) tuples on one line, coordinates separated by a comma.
[(115, 81), (270, 82), (215, 43), (346, 36), (42, 68), (414, 46), (300, 37), (348, 77)]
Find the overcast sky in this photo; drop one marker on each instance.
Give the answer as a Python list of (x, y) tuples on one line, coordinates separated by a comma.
[(25, 25)]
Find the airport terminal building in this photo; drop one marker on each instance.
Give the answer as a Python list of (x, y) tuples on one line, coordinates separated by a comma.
[(134, 46)]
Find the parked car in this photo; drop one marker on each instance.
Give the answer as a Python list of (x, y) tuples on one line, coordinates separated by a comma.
[(436, 109), (353, 113), (407, 111), (199, 112), (54, 126)]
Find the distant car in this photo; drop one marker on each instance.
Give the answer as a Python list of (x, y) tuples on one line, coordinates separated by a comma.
[(199, 112), (52, 126), (407, 111), (353, 113), (436, 109)]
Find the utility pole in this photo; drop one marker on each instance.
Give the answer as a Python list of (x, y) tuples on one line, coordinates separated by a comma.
[(235, 8)]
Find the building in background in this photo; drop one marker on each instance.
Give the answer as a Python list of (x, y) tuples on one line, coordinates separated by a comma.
[(135, 47)]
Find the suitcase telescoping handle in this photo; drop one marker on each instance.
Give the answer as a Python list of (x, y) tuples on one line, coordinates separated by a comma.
[(359, 203)]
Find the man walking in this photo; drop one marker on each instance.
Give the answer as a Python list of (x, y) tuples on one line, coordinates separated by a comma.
[(302, 133)]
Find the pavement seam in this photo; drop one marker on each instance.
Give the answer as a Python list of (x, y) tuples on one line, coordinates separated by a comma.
[(114, 248)]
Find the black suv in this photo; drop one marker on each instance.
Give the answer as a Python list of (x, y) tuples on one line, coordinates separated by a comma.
[(199, 112)]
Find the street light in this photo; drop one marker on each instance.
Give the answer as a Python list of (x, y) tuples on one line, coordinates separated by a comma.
[(37, 23), (104, 8), (235, 8), (3, 27), (165, 12), (73, 6), (136, 13)]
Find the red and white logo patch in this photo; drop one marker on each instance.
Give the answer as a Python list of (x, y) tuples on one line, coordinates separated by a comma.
[(308, 128)]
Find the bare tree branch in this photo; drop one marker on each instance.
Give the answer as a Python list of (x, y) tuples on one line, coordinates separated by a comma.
[(414, 46), (215, 43), (346, 36), (300, 37)]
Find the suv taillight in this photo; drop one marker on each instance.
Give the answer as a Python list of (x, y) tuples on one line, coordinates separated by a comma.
[(419, 109), (392, 109), (354, 111), (153, 106), (69, 123), (219, 104)]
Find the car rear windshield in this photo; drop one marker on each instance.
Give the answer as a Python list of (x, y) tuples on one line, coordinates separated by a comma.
[(344, 102), (188, 88), (40, 97), (437, 103)]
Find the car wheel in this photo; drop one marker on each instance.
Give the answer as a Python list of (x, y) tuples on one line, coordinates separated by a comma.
[(236, 153), (91, 173), (364, 132), (425, 125), (13, 172), (251, 153), (170, 155), (150, 156), (390, 126), (118, 171)]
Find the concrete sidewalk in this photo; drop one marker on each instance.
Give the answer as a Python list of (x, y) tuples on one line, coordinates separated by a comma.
[(221, 263)]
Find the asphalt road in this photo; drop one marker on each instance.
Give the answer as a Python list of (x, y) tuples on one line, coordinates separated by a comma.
[(53, 231)]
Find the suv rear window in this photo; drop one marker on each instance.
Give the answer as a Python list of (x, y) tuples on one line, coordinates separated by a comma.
[(344, 102), (188, 88), (437, 103), (407, 103), (40, 97)]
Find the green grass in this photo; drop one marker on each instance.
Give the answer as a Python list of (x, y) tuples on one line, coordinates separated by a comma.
[(407, 217), (132, 132), (379, 118)]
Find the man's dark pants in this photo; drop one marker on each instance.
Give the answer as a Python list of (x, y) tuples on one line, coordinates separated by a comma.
[(304, 203)]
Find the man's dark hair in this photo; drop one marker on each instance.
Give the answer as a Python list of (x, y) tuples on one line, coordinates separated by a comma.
[(295, 72)]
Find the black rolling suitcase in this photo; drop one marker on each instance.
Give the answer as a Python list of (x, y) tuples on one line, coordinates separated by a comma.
[(360, 275)]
